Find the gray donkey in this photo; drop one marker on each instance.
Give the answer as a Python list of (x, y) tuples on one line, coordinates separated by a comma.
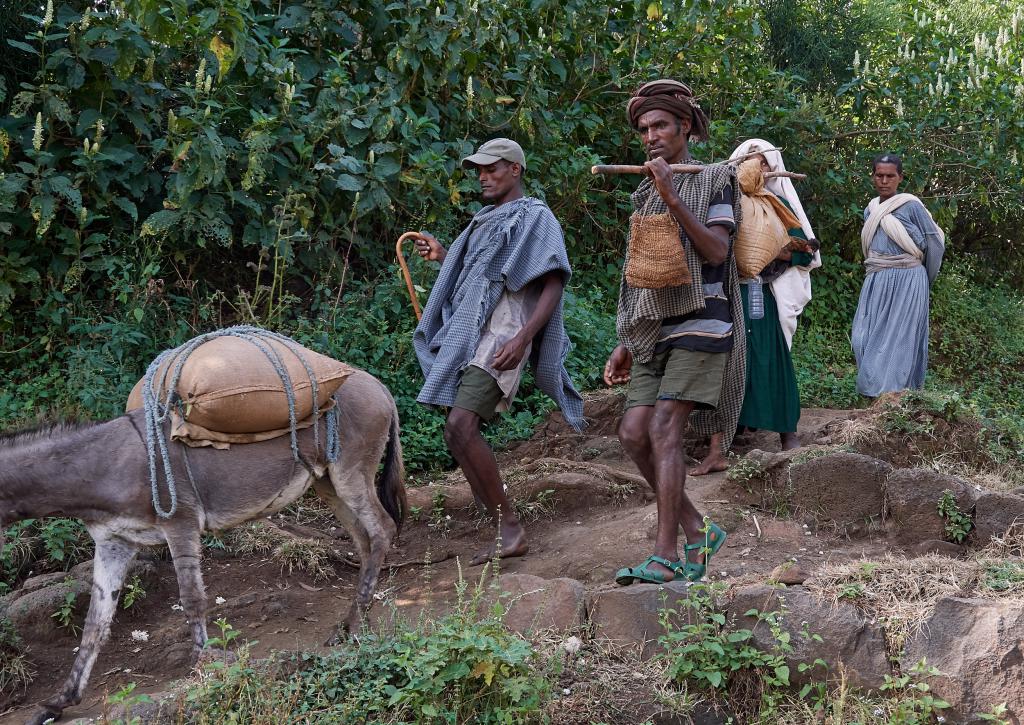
[(99, 473)]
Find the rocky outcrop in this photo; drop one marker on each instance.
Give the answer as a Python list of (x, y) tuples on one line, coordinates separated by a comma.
[(842, 491), (533, 604), (632, 615), (994, 514), (846, 637), (978, 646), (911, 503)]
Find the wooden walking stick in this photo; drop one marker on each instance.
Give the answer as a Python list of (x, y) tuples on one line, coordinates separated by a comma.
[(690, 168), (405, 270), (680, 169)]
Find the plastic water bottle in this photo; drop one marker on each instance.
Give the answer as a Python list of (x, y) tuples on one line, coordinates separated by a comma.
[(755, 299)]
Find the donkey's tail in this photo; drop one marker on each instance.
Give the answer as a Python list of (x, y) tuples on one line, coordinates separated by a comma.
[(391, 481)]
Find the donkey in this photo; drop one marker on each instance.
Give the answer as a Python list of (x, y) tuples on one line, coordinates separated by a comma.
[(99, 473)]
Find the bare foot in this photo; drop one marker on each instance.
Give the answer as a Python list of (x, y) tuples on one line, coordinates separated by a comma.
[(712, 463), (789, 441), (510, 545)]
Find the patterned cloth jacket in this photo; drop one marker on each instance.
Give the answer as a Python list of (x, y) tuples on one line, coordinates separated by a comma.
[(526, 244), (641, 311)]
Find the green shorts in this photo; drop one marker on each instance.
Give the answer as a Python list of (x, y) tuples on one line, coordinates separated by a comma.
[(678, 374), (478, 392)]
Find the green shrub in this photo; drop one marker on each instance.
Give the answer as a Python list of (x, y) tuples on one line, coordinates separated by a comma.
[(462, 667)]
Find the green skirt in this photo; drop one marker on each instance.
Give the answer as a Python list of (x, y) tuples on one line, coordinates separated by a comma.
[(772, 400)]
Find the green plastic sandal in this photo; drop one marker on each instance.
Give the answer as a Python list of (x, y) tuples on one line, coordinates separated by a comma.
[(713, 540), (642, 573)]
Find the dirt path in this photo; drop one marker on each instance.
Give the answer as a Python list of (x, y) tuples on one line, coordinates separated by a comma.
[(587, 516)]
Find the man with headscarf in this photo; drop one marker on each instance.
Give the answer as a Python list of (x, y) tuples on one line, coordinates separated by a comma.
[(676, 346), (497, 303), (771, 399)]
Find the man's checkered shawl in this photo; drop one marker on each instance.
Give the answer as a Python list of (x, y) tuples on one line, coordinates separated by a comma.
[(525, 243), (641, 311)]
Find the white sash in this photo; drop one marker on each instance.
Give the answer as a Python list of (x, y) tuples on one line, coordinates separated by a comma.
[(880, 215)]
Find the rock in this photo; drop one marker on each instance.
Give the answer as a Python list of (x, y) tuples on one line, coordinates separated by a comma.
[(36, 583), (977, 645), (789, 573), (994, 513), (760, 478), (603, 448), (911, 502), (840, 490), (631, 615), (535, 604), (935, 546), (847, 637), (32, 613)]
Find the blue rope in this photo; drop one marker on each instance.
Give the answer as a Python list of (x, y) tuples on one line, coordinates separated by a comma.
[(158, 412)]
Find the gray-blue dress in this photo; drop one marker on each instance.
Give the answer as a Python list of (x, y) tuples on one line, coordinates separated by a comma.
[(890, 329)]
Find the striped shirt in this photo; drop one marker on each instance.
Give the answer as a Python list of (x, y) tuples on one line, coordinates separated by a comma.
[(710, 329)]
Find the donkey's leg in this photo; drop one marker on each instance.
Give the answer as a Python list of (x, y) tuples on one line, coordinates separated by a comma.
[(325, 489), (355, 487), (186, 553), (109, 567)]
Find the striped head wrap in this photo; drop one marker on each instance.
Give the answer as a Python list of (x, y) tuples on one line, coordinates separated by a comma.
[(671, 96)]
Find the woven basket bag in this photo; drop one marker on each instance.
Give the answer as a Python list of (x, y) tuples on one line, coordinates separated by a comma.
[(657, 257)]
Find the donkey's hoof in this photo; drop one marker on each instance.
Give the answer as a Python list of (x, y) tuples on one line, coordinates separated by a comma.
[(43, 715), (339, 636)]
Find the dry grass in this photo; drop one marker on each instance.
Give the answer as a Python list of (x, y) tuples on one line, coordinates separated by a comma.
[(16, 672), (609, 684), (311, 556), (992, 478), (901, 593)]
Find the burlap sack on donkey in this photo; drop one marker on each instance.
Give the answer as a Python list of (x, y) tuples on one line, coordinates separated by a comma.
[(232, 393)]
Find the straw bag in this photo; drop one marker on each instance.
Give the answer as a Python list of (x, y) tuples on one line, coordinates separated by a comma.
[(763, 231), (657, 257)]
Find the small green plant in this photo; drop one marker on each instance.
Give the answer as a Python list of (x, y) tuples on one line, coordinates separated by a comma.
[(133, 592), (712, 657), (440, 522), (958, 524), (995, 714), (744, 470), (852, 591), (228, 634), (215, 542), (1004, 575), (124, 700), (65, 614), (915, 705), (542, 505)]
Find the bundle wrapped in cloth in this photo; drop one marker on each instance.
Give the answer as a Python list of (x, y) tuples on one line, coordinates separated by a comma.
[(241, 385), (766, 221)]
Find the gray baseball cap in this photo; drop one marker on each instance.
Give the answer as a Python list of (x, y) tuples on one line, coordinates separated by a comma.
[(495, 150)]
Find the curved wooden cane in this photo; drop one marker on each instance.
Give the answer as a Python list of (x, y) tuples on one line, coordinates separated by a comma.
[(405, 270)]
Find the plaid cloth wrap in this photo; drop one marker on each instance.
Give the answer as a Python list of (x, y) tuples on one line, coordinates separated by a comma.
[(528, 244), (641, 311)]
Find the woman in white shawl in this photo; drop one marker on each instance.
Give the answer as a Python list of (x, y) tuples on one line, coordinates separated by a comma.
[(772, 401)]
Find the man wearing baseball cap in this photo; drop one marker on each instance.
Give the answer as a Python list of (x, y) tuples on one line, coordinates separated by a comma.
[(497, 303)]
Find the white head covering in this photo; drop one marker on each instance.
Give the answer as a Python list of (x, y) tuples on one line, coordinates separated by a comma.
[(792, 289), (780, 186)]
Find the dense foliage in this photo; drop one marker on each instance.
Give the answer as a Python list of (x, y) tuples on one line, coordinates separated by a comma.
[(170, 167)]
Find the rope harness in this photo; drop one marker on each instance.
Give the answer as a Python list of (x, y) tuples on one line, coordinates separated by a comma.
[(157, 412)]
